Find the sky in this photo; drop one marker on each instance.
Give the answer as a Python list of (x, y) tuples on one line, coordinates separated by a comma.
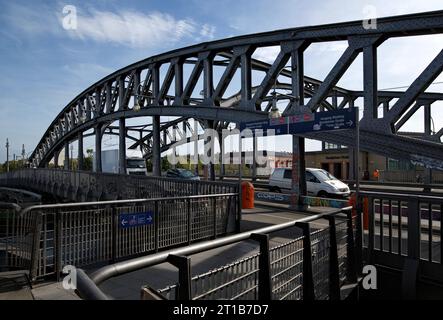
[(44, 66)]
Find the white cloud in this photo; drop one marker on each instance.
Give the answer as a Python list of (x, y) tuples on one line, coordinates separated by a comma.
[(207, 31), (136, 29), (126, 27)]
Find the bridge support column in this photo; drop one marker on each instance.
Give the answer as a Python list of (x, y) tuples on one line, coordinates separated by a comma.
[(98, 149), (56, 156), (254, 158), (66, 163), (156, 155), (221, 143), (351, 171), (209, 152), (195, 147), (428, 131), (298, 188), (80, 151), (122, 146)]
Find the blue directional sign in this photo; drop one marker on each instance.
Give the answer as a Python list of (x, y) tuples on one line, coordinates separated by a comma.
[(129, 220), (306, 122)]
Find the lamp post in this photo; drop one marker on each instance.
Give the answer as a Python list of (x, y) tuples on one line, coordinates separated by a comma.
[(7, 155)]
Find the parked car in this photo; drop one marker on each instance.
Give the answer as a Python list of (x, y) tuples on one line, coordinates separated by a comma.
[(181, 174), (319, 182)]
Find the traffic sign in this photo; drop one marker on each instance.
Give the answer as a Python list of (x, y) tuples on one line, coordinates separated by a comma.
[(306, 122), (129, 220)]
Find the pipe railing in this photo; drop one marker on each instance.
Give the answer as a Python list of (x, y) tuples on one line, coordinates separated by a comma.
[(85, 289), (87, 233)]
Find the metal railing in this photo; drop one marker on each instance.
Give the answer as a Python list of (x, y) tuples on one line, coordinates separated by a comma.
[(409, 176), (16, 237), (83, 234), (307, 267), (401, 227), (91, 186)]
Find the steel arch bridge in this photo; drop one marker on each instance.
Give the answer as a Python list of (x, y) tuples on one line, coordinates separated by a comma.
[(159, 86)]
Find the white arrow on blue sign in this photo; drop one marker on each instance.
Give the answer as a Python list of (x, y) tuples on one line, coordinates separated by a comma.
[(129, 220)]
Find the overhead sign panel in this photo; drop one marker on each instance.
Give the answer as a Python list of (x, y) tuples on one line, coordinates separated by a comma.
[(306, 122)]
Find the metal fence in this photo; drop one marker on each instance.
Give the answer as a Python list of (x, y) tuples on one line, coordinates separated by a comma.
[(16, 237), (304, 268), (91, 186), (49, 237), (410, 176), (404, 226)]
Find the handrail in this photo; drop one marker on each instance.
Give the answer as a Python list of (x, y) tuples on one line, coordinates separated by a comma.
[(110, 271), (94, 203), (399, 195)]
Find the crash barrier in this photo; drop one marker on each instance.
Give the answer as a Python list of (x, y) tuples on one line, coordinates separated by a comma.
[(45, 238), (91, 186), (313, 266)]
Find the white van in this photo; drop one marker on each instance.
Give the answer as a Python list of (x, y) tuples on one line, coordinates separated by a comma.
[(319, 182)]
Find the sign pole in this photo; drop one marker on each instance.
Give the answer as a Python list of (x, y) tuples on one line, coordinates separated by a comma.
[(357, 155)]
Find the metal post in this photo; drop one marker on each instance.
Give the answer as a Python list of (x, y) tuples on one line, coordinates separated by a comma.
[(80, 155), (413, 228), (23, 155), (222, 151), (56, 155), (195, 138), (298, 183), (357, 155), (254, 157), (240, 172), (156, 156), (334, 271), (156, 226), (264, 265), (184, 275), (66, 164), (428, 172), (7, 155), (122, 145), (351, 249), (58, 245), (98, 149), (308, 277), (188, 214), (209, 150), (115, 228)]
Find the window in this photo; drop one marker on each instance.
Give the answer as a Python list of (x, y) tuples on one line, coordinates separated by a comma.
[(310, 177), (287, 174)]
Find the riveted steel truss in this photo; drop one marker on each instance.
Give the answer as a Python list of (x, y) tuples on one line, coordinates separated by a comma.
[(141, 89)]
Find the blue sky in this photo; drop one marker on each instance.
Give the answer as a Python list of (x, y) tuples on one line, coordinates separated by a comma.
[(44, 66)]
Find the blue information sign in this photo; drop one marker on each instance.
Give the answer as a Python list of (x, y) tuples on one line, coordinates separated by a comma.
[(306, 122), (129, 220)]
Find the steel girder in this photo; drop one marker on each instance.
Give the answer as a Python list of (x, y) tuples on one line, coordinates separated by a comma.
[(113, 97)]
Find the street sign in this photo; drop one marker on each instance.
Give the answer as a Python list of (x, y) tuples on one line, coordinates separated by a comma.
[(306, 122), (129, 220)]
